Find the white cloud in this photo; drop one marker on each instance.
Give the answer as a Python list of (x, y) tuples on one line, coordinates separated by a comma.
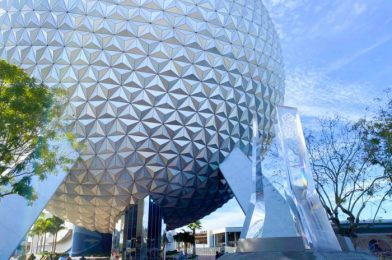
[(283, 12), (299, 19), (287, 4), (359, 8), (340, 63), (305, 28), (315, 94)]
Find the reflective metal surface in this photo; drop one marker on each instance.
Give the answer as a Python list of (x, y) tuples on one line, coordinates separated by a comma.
[(160, 92), (310, 214), (255, 214), (271, 244), (86, 242), (237, 170), (141, 228)]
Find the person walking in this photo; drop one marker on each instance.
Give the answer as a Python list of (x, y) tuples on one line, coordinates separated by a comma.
[(113, 256), (31, 257)]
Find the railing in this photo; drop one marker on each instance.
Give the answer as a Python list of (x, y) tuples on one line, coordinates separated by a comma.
[(230, 249), (213, 250)]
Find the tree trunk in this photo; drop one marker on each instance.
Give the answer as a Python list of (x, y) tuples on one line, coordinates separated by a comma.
[(194, 242), (44, 243), (37, 245), (164, 251), (55, 243), (186, 248), (40, 246), (51, 251)]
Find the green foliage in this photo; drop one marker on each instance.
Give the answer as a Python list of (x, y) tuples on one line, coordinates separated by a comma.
[(29, 121), (40, 226), (56, 224), (379, 141), (195, 225), (184, 237), (43, 225)]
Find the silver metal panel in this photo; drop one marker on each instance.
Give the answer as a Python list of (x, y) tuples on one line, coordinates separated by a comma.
[(160, 93), (270, 244), (311, 215), (255, 216), (237, 170)]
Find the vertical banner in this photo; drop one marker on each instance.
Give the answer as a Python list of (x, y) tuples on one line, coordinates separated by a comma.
[(310, 215)]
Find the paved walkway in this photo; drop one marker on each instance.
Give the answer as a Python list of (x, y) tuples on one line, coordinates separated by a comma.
[(205, 257)]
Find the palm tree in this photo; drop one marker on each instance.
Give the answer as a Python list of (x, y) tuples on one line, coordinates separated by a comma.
[(186, 238), (46, 227), (193, 226), (35, 231), (165, 240), (42, 226), (56, 226), (38, 230)]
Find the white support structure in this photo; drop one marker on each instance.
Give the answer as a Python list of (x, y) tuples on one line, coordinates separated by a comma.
[(237, 170), (273, 223), (17, 216)]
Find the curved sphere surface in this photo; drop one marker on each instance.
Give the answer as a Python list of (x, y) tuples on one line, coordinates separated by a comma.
[(160, 92)]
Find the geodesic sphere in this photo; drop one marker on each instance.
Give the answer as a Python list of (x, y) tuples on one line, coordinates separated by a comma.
[(160, 93)]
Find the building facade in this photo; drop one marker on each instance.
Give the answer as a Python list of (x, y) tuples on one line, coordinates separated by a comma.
[(159, 94)]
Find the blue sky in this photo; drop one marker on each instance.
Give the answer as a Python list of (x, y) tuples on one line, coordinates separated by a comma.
[(338, 59), (337, 53)]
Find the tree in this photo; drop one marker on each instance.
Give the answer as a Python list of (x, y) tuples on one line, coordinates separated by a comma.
[(35, 232), (56, 226), (29, 119), (345, 179), (193, 226), (38, 229), (46, 227), (186, 238), (165, 240), (379, 139)]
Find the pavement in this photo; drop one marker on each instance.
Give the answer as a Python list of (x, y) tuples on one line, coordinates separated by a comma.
[(305, 255), (205, 257)]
